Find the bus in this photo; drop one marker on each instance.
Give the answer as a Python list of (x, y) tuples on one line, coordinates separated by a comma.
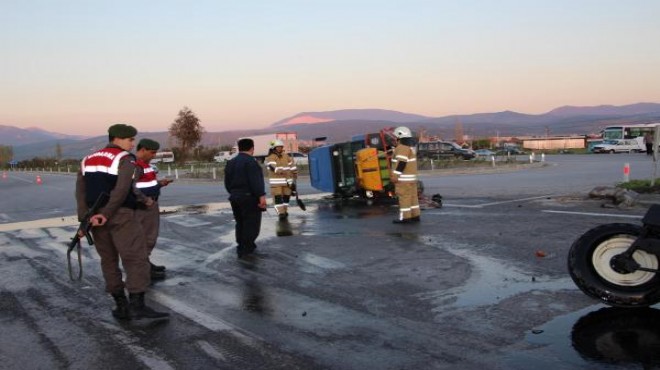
[(165, 157), (628, 131)]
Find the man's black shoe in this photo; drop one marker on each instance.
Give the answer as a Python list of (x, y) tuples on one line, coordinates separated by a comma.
[(156, 267)]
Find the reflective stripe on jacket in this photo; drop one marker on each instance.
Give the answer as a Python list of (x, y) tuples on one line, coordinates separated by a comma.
[(404, 153), (100, 171), (148, 182), (280, 168)]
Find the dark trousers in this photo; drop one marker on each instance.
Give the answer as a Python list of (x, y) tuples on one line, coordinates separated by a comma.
[(649, 149), (122, 239), (149, 218), (248, 221)]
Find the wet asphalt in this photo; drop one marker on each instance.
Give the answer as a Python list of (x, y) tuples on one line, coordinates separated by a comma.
[(480, 283)]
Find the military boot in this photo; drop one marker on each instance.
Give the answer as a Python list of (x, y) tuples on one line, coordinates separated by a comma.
[(156, 267), (157, 275), (121, 312), (141, 311)]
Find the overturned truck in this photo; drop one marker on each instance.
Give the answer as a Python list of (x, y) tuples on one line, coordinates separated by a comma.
[(357, 168)]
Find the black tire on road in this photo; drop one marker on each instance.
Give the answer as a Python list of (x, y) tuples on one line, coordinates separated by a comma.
[(589, 267)]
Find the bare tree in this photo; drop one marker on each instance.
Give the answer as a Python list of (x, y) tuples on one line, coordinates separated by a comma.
[(6, 154), (187, 130)]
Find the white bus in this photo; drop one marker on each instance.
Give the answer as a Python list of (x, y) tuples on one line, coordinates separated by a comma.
[(165, 157), (621, 132)]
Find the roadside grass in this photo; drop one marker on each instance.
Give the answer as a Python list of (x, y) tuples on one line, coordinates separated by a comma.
[(641, 186)]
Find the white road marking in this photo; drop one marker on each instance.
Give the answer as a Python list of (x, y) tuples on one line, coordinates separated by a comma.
[(203, 319), (46, 222), (594, 214), (22, 179), (210, 350), (495, 203), (148, 357)]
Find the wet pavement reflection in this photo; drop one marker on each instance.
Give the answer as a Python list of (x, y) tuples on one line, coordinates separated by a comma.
[(619, 336), (339, 286), (596, 337)]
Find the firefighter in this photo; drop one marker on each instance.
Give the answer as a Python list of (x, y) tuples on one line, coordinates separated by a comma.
[(117, 234), (148, 190), (282, 172), (404, 176)]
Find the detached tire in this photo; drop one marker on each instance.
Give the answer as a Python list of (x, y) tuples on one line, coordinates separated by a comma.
[(589, 266)]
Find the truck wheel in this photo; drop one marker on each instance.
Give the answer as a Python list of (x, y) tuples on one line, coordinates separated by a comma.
[(589, 266)]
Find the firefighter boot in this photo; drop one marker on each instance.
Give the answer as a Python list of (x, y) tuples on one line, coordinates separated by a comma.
[(121, 312), (141, 311)]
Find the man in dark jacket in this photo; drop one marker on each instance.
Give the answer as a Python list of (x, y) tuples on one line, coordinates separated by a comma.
[(244, 181), (116, 232)]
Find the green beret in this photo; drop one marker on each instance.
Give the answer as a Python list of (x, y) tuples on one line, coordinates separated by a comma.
[(148, 144), (122, 131)]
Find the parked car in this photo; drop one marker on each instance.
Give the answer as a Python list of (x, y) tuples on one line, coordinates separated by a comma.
[(443, 149), (484, 153), (510, 151), (299, 158), (619, 146), (223, 156)]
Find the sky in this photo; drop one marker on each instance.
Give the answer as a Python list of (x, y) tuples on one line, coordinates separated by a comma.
[(77, 66)]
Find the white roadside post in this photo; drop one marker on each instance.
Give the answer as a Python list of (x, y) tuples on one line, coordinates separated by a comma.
[(626, 172), (656, 140), (492, 159)]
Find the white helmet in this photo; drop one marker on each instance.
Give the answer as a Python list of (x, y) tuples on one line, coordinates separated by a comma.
[(276, 143), (402, 132)]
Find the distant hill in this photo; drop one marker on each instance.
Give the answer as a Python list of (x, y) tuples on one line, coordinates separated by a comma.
[(340, 125), (10, 135), (607, 110), (349, 114)]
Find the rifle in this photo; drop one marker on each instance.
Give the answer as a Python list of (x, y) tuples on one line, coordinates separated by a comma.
[(294, 191), (83, 231)]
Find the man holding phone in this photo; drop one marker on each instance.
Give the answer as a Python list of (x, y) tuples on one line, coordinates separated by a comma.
[(147, 188)]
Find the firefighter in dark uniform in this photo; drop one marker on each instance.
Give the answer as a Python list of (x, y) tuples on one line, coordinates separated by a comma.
[(116, 232), (282, 172), (148, 190), (404, 176), (244, 181)]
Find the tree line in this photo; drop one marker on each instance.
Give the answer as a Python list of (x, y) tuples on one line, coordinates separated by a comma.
[(186, 130)]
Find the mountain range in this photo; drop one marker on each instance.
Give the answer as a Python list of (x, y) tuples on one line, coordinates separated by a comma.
[(340, 125)]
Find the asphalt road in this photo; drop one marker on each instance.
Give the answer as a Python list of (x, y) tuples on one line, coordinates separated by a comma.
[(479, 284)]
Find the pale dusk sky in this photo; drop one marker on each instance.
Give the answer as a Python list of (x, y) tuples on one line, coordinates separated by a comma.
[(75, 66)]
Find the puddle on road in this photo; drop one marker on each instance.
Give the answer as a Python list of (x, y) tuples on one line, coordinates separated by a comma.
[(596, 337), (491, 281)]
